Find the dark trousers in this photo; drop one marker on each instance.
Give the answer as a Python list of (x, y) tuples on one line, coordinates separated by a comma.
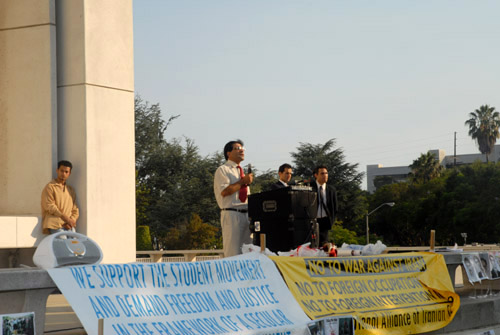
[(324, 228)]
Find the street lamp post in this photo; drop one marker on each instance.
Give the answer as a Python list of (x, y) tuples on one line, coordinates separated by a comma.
[(368, 214)]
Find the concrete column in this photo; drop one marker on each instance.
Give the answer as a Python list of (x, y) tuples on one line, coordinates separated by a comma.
[(28, 104), (96, 118)]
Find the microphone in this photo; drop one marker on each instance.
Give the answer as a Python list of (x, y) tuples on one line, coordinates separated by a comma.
[(299, 182), (249, 168)]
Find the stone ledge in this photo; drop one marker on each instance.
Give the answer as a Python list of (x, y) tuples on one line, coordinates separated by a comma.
[(25, 279), (474, 313)]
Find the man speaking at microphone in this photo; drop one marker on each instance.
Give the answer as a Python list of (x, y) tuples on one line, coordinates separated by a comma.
[(231, 192)]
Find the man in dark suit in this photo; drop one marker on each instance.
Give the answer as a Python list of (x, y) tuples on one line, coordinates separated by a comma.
[(285, 174), (327, 202)]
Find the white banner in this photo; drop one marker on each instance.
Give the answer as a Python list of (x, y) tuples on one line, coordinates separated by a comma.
[(238, 295)]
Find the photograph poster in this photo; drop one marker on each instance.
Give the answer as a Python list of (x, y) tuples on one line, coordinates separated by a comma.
[(18, 324), (339, 325)]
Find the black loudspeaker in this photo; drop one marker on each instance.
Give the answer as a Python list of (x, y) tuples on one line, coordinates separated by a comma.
[(287, 216), (287, 203)]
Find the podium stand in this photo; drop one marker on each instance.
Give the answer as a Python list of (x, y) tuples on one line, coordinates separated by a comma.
[(287, 216)]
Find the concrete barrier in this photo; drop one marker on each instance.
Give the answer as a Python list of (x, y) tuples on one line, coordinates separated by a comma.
[(474, 313), (26, 290)]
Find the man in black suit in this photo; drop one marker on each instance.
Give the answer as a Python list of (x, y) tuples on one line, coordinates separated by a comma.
[(285, 174), (327, 202)]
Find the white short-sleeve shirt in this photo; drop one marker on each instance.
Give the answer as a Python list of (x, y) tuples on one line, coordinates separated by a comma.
[(226, 175)]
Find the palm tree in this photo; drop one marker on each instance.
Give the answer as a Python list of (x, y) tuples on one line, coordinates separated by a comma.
[(425, 168), (483, 127)]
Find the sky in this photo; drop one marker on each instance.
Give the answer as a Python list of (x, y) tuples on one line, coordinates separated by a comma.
[(388, 80)]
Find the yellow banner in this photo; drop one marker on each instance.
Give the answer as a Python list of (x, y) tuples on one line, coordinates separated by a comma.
[(386, 294)]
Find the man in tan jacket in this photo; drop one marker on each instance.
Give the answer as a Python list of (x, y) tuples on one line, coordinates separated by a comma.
[(59, 209)]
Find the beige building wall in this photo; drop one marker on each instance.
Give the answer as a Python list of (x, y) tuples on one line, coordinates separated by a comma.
[(96, 118), (28, 108), (67, 92)]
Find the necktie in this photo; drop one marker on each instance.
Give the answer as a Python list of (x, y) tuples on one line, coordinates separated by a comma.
[(320, 202), (244, 189)]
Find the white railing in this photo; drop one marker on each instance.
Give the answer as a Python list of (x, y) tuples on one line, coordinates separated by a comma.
[(157, 256)]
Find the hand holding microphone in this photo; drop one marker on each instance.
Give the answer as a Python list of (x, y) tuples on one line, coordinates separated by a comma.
[(248, 179)]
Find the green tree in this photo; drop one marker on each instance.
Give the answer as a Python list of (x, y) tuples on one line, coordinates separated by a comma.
[(173, 180), (380, 181), (461, 200), (194, 234), (483, 127), (344, 176), (474, 204), (410, 220), (342, 235), (149, 129), (143, 238), (142, 201), (425, 168), (262, 181), (181, 183)]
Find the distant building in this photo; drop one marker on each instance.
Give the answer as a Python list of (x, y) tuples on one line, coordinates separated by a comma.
[(378, 175)]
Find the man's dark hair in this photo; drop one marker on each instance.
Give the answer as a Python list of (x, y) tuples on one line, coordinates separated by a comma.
[(284, 167), (229, 147), (319, 167), (65, 163)]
